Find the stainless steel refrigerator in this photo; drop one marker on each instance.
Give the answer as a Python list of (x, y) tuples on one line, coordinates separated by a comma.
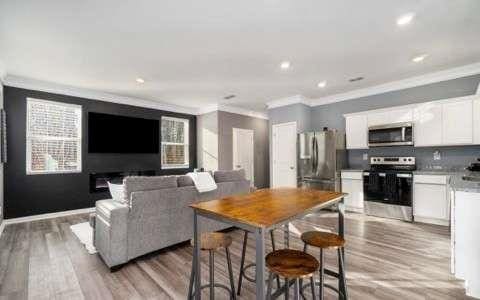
[(321, 157)]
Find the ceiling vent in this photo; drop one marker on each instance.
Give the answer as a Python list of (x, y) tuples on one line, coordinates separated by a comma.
[(355, 79)]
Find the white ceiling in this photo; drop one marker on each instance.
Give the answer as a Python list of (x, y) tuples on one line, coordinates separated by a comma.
[(193, 53)]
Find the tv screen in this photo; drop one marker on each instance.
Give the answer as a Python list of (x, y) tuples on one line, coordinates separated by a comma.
[(120, 134)]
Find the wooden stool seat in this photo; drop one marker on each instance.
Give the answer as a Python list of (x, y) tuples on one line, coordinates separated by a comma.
[(323, 240), (214, 240), (292, 264)]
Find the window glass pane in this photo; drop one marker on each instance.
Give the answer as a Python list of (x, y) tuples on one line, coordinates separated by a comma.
[(174, 154), (53, 137), (173, 131)]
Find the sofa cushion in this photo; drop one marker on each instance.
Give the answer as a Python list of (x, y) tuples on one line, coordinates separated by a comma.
[(184, 180), (229, 176), (148, 183)]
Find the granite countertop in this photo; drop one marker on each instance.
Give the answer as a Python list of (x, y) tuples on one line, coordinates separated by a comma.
[(352, 170), (460, 185), (438, 172)]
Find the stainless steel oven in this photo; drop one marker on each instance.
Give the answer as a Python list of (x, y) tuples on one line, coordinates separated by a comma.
[(396, 134)]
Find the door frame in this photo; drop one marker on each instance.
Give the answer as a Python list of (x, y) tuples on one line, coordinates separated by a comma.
[(234, 133), (274, 150)]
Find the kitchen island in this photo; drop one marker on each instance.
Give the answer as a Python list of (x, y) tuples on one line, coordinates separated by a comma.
[(465, 229)]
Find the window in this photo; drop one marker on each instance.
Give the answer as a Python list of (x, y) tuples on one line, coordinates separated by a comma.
[(54, 137), (174, 143)]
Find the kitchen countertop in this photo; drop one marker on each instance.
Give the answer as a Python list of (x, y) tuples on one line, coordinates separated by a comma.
[(438, 172), (352, 170), (460, 185)]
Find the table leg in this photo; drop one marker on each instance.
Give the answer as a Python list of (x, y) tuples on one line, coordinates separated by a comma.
[(196, 251), (260, 263), (286, 235), (341, 232)]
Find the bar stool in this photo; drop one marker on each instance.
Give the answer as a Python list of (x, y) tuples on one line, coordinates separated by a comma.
[(326, 240), (292, 265), (243, 268), (210, 242)]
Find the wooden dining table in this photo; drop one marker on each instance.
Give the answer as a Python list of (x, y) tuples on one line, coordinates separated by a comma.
[(259, 212)]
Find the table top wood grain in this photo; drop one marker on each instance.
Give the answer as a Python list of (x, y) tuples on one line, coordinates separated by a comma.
[(267, 207)]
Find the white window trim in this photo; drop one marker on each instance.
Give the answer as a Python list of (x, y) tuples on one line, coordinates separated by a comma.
[(28, 138), (186, 143)]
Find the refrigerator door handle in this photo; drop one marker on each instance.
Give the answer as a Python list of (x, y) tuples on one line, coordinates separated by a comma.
[(315, 152)]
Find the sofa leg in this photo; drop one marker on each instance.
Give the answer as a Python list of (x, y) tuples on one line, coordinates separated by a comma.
[(116, 268)]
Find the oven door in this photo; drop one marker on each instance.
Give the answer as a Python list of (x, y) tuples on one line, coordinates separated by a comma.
[(394, 190), (390, 135)]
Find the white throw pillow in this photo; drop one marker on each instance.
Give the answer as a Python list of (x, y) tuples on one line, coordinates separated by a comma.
[(117, 192)]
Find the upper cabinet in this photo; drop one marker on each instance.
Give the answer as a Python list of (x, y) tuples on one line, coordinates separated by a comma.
[(394, 115), (427, 125), (356, 130), (476, 120), (457, 124), (439, 123)]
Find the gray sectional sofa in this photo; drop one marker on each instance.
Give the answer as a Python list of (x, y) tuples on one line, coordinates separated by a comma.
[(155, 214)]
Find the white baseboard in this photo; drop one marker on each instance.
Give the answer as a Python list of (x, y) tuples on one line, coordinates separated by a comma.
[(359, 210), (431, 221), (48, 216)]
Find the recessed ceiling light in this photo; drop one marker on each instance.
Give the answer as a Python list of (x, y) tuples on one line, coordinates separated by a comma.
[(285, 65), (405, 19), (140, 80), (322, 84), (419, 58)]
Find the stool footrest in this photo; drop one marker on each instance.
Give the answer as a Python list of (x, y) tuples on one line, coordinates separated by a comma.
[(331, 273), (245, 274), (217, 285)]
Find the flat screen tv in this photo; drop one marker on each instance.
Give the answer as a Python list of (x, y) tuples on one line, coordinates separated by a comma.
[(120, 134)]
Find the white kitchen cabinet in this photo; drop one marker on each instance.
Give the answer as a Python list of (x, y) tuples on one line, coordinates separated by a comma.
[(457, 122), (431, 199), (476, 120), (394, 115), (428, 124), (352, 183), (356, 130)]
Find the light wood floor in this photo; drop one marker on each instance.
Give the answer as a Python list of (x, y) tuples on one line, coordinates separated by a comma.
[(385, 259)]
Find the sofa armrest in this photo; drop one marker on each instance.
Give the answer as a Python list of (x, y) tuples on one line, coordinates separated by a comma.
[(111, 221)]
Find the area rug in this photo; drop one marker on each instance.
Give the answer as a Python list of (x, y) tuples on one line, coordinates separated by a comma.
[(84, 233)]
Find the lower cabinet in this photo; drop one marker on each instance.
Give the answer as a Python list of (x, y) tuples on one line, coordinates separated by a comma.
[(431, 199), (352, 183)]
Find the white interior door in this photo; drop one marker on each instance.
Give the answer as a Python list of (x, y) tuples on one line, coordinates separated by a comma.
[(284, 152), (243, 152)]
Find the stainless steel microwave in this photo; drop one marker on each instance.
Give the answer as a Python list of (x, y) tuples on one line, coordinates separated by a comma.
[(396, 134)]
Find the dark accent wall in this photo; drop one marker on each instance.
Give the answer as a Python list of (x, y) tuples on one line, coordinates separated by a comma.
[(27, 195)]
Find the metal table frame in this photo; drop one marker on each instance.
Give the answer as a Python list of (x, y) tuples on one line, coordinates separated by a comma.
[(259, 233)]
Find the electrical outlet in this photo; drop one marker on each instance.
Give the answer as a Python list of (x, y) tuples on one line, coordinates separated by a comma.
[(365, 156)]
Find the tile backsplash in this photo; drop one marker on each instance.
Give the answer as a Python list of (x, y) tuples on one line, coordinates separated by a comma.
[(457, 157)]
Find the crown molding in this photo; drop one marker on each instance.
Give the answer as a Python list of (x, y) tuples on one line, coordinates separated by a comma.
[(288, 101), (232, 109), (43, 86), (425, 79)]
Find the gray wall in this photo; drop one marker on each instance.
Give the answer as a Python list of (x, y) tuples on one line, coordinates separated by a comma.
[(331, 115), (299, 113), (215, 143), (207, 141), (226, 122)]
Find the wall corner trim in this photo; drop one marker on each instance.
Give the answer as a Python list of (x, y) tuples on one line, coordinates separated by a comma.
[(54, 88), (2, 227), (448, 74), (232, 109), (288, 101), (48, 216)]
